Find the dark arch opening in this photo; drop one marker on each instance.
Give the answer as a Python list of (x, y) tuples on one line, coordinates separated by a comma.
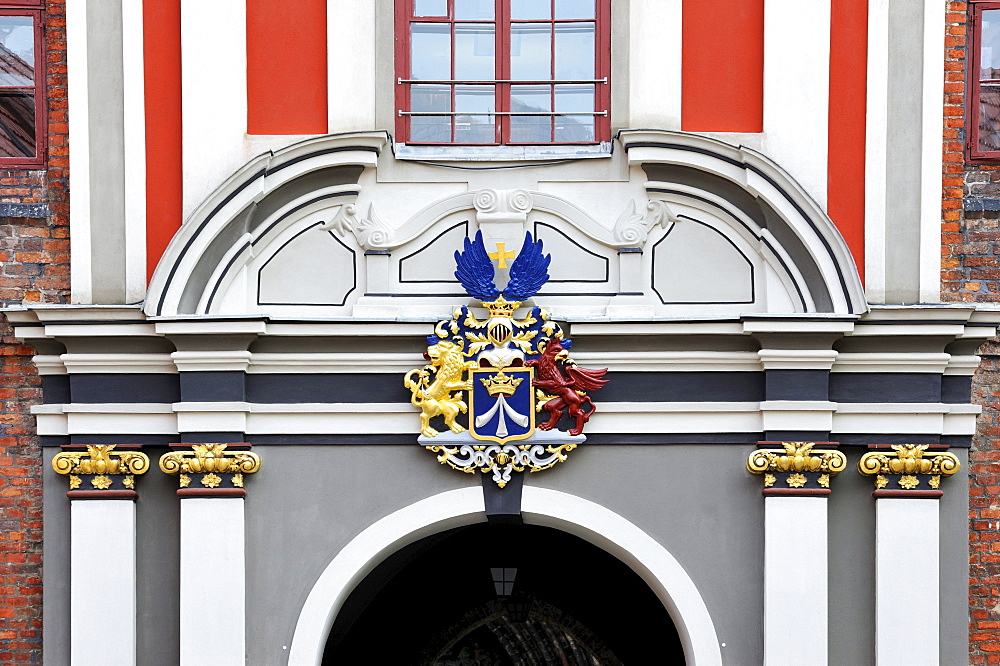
[(436, 603)]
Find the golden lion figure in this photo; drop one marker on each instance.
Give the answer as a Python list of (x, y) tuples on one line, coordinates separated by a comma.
[(433, 386)]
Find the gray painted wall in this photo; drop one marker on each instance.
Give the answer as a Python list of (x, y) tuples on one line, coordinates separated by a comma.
[(308, 502), (107, 156), (905, 102)]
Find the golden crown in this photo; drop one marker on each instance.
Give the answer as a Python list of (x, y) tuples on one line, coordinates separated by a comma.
[(501, 307), (501, 383)]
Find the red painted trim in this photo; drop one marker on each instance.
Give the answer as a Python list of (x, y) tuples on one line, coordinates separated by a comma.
[(211, 492), (39, 90), (101, 494), (846, 131), (722, 66), (161, 24), (287, 67), (911, 494), (804, 492), (972, 153)]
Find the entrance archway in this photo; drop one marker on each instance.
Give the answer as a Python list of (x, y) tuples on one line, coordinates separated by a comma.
[(563, 511), (503, 596)]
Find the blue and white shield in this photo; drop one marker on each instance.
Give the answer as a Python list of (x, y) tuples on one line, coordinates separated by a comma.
[(502, 404)]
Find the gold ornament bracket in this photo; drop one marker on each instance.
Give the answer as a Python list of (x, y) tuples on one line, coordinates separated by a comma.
[(210, 469), (797, 468), (908, 470), (101, 471)]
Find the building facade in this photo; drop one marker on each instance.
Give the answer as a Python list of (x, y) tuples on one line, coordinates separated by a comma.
[(217, 362)]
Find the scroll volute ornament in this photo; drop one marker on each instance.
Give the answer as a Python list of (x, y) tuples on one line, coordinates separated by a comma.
[(100, 459), (796, 467), (908, 465), (209, 458)]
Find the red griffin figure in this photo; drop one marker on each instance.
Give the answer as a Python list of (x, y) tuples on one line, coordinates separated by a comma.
[(565, 382)]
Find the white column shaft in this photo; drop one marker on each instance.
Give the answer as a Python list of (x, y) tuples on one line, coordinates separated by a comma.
[(134, 98), (77, 88), (795, 581), (213, 582), (906, 614), (797, 90), (932, 121), (102, 587)]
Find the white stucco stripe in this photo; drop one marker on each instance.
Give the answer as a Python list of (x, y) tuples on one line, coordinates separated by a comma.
[(932, 125), (797, 90), (134, 98), (655, 31), (350, 38), (77, 89)]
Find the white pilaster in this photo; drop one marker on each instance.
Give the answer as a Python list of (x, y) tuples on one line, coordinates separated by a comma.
[(213, 582), (102, 588), (655, 31), (906, 615), (795, 580), (797, 90)]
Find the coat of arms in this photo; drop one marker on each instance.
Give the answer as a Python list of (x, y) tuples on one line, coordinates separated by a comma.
[(501, 371)]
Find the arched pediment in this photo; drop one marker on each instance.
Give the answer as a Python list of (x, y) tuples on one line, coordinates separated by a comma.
[(690, 227)]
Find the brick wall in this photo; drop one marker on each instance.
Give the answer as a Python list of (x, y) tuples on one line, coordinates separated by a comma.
[(34, 266), (970, 272)]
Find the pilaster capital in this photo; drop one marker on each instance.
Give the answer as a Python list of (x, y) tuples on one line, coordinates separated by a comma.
[(210, 470), (101, 472), (797, 468), (908, 470)]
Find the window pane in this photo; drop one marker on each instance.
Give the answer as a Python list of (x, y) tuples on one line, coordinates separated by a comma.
[(474, 52), (574, 98), (574, 51), (430, 51), (17, 124), (530, 129), (531, 51), (574, 9), (431, 8), (17, 51), (474, 9), (530, 9), (475, 128), (989, 117), (430, 129)]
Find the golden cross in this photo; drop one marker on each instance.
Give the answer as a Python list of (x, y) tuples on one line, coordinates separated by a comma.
[(501, 256)]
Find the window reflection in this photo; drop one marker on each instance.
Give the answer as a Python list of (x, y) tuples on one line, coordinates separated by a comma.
[(17, 76), (989, 75)]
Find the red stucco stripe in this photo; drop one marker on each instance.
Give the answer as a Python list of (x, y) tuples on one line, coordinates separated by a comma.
[(286, 67), (846, 157), (722, 73), (161, 21)]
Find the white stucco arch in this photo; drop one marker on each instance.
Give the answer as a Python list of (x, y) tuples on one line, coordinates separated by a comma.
[(540, 506)]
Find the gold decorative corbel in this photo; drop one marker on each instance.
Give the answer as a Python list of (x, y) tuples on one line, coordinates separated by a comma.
[(101, 467), (909, 467), (796, 467)]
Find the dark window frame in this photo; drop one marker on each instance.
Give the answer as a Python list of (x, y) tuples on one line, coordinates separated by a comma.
[(973, 83), (34, 9), (405, 15)]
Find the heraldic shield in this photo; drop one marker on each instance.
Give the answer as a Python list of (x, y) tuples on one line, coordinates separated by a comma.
[(503, 405), (500, 371)]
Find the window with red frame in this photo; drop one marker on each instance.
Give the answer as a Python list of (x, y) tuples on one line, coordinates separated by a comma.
[(22, 85), (983, 81), (503, 72)]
